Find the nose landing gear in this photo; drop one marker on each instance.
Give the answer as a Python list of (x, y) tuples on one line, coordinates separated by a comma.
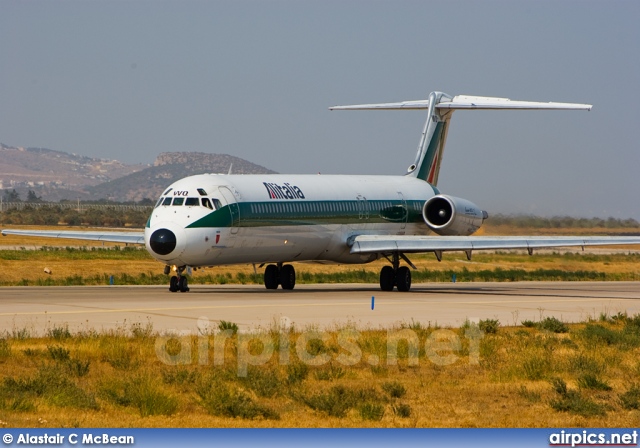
[(178, 282)]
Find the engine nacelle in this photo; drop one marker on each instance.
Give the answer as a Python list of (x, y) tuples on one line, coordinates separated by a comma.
[(448, 215)]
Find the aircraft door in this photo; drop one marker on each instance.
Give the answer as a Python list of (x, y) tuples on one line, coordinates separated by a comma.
[(405, 210), (234, 208), (363, 207)]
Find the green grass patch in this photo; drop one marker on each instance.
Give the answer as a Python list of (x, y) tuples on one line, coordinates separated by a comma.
[(142, 393), (371, 411), (5, 349), (553, 324), (590, 381), (47, 253), (573, 402), (489, 326), (224, 325), (297, 372), (227, 400), (338, 400), (394, 389), (54, 385), (631, 398), (402, 410)]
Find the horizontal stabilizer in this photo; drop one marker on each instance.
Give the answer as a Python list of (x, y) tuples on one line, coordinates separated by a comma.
[(440, 108), (462, 102), (408, 105)]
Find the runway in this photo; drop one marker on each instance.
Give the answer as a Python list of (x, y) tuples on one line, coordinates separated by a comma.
[(39, 309)]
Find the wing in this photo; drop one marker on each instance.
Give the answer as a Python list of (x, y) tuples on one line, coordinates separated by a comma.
[(417, 243), (113, 237)]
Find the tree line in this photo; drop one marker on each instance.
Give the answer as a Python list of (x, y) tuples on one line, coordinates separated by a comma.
[(13, 196), (88, 216), (560, 222)]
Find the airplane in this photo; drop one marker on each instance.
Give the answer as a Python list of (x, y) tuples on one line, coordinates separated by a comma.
[(272, 220)]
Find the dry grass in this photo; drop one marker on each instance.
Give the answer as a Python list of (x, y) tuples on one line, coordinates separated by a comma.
[(515, 383), (32, 268)]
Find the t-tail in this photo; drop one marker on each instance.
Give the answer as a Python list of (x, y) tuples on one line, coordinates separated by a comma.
[(440, 108)]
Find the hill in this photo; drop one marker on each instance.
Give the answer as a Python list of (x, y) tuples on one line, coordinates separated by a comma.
[(55, 175), (169, 167), (39, 166)]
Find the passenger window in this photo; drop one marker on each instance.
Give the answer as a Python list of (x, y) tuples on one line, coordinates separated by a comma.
[(192, 201), (216, 204), (178, 201), (167, 201)]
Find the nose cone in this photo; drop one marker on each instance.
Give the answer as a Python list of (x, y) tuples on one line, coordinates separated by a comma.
[(162, 241)]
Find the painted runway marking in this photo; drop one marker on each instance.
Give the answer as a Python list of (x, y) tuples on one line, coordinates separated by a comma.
[(294, 305)]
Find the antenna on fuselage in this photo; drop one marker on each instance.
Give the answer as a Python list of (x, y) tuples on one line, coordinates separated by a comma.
[(230, 168)]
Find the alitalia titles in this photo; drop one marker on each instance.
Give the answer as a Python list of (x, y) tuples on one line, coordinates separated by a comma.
[(285, 191)]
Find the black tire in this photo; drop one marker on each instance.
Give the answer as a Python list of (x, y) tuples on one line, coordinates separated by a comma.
[(287, 277), (173, 284), (387, 278), (183, 284), (403, 279), (271, 277)]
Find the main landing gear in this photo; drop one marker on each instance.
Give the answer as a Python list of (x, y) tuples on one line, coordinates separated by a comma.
[(396, 275), (178, 282), (279, 274)]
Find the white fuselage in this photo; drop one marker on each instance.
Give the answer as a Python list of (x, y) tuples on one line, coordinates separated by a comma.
[(283, 218)]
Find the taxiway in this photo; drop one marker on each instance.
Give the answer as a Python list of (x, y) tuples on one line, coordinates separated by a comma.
[(38, 309)]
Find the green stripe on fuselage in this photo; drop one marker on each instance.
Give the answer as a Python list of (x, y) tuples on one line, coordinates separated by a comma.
[(302, 212)]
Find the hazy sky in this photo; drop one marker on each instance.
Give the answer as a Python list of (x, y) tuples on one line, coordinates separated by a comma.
[(128, 80)]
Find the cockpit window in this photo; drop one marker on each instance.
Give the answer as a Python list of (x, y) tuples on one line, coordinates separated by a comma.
[(216, 203), (167, 201), (178, 201), (192, 201), (167, 192), (202, 192), (158, 203), (207, 203)]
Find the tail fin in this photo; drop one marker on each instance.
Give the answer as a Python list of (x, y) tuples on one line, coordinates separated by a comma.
[(440, 109)]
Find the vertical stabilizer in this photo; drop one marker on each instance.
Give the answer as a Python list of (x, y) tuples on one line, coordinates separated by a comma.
[(434, 136)]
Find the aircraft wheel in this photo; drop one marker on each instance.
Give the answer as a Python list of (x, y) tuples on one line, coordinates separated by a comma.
[(173, 284), (287, 277), (271, 277), (403, 279), (387, 278), (183, 284)]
